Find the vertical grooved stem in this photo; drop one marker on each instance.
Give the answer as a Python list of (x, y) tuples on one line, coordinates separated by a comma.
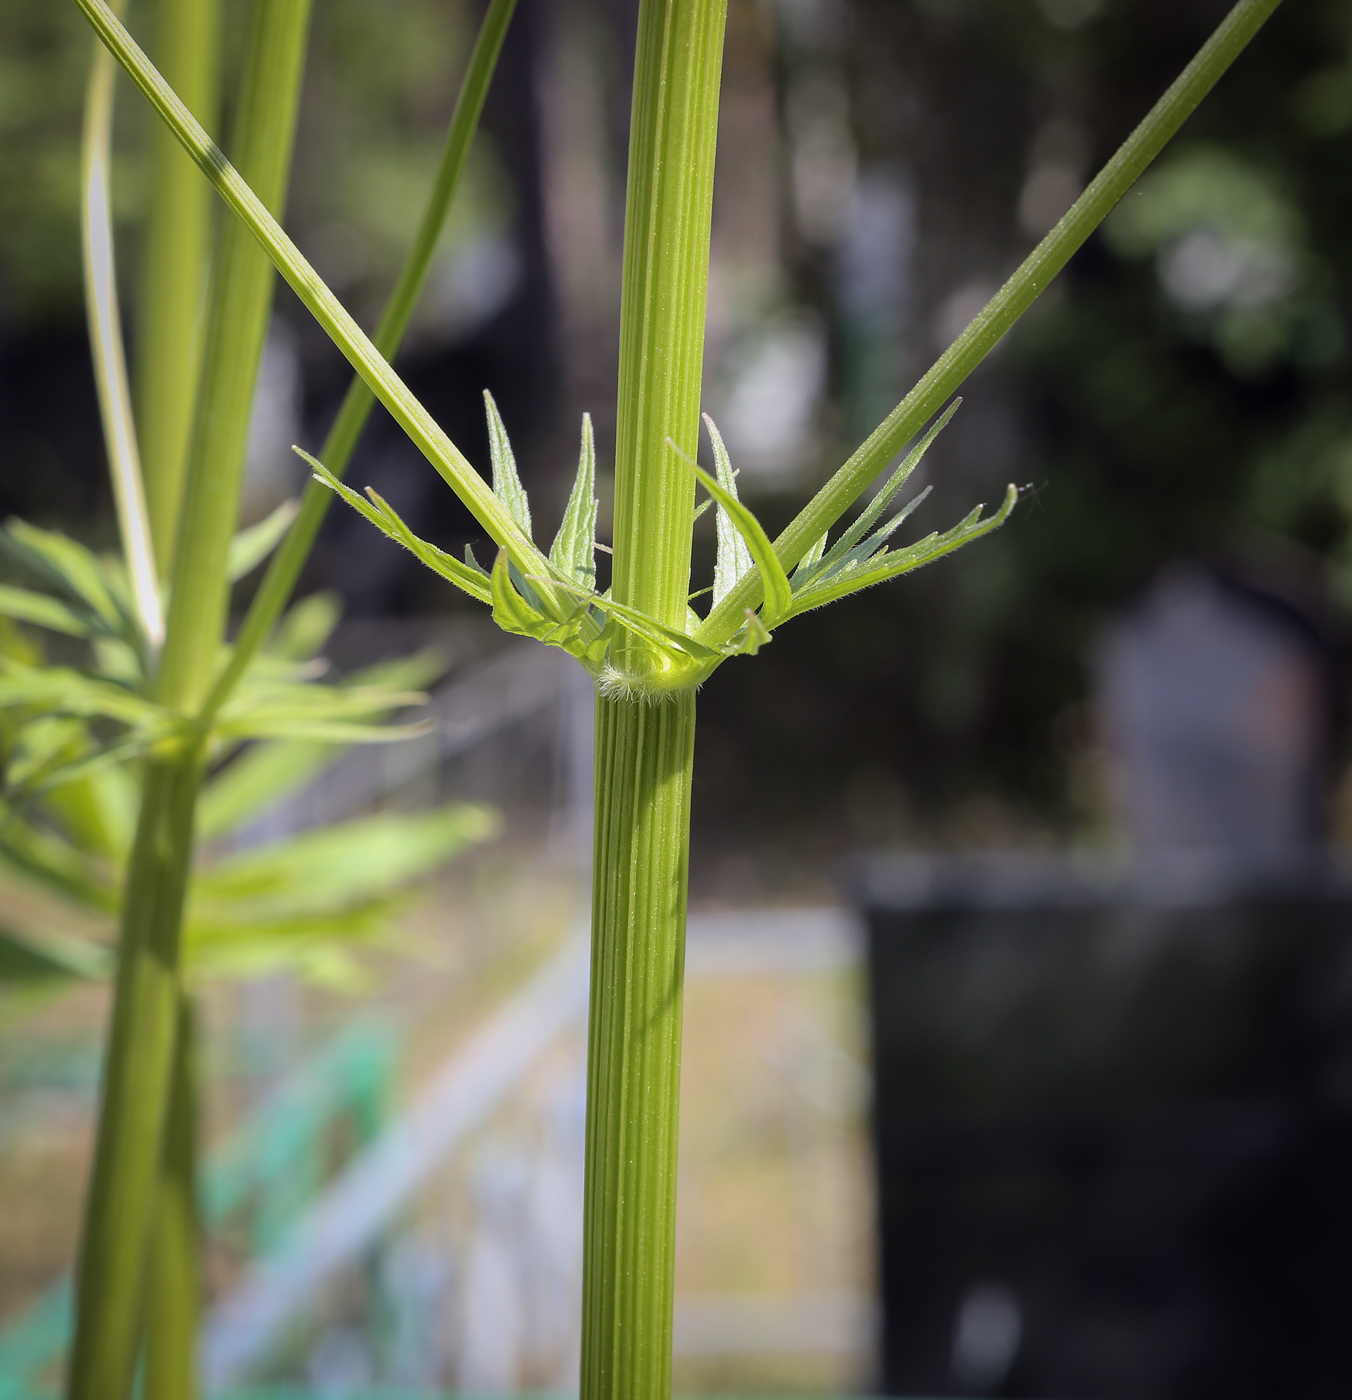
[(644, 756)]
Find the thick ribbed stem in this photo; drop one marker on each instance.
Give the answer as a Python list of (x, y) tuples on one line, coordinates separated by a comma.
[(643, 763), (644, 753), (666, 276)]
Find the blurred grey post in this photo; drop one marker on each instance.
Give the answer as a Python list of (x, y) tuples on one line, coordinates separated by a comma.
[(1217, 711)]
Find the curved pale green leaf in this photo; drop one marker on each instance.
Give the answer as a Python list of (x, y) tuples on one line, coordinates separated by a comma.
[(340, 865), (44, 611), (61, 690), (258, 779), (250, 547), (270, 726), (301, 634)]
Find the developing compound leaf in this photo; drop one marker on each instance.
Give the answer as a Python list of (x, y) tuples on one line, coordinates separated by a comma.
[(641, 625), (808, 563), (576, 632), (385, 519), (778, 594), (841, 562), (903, 561), (573, 552), (733, 558), (250, 547), (507, 485), (838, 556)]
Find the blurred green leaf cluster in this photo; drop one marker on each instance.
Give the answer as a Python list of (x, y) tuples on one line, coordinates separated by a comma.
[(305, 903)]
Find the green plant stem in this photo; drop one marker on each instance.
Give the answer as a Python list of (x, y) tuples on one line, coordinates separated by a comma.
[(644, 753), (286, 565), (109, 357), (355, 345), (123, 1191), (174, 268), (643, 764), (1004, 308), (673, 131), (237, 328), (173, 1294), (121, 1207)]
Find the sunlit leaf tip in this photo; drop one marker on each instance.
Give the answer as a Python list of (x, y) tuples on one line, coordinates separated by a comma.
[(574, 549), (507, 485)]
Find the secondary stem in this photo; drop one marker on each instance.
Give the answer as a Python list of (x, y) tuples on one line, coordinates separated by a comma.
[(122, 1204), (286, 565), (122, 1193), (174, 1291), (174, 270)]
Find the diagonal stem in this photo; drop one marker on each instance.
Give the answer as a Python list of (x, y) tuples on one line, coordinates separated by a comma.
[(1004, 308), (286, 565), (355, 345)]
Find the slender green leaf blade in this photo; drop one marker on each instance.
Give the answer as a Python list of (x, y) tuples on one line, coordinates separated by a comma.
[(778, 594), (573, 552), (844, 546), (507, 485), (44, 611), (68, 565), (733, 558), (250, 547)]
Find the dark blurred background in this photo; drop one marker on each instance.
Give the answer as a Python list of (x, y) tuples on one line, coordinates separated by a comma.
[(1181, 393), (1111, 1104)]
